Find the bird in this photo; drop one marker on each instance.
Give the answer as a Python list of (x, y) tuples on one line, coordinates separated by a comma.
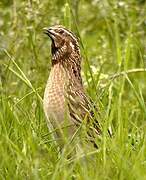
[(64, 95)]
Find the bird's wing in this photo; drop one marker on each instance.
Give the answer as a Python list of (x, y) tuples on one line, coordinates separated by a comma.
[(81, 109)]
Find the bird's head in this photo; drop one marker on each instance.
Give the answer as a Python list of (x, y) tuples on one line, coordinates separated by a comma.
[(64, 42)]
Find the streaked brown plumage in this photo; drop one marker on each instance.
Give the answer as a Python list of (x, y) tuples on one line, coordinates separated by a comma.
[(64, 96)]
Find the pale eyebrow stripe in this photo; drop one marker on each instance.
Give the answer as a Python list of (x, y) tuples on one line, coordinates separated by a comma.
[(69, 33)]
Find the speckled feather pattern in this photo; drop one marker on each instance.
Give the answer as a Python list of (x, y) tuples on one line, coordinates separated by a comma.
[(54, 101), (55, 105), (64, 94)]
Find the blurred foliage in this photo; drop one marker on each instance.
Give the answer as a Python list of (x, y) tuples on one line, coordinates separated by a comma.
[(112, 37), (103, 25)]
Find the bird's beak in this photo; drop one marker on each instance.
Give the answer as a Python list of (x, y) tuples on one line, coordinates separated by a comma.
[(50, 32), (53, 36)]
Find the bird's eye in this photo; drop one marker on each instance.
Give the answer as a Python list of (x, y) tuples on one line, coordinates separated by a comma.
[(61, 31)]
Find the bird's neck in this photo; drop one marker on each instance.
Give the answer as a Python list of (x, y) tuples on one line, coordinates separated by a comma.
[(72, 66)]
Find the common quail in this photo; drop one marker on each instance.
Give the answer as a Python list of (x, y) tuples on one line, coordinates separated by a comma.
[(65, 102)]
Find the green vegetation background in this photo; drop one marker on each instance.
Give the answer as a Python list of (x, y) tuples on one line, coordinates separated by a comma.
[(113, 40)]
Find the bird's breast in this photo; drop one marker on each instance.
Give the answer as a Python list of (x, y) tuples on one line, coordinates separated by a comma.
[(54, 99)]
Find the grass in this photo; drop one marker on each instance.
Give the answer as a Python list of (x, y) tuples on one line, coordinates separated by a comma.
[(112, 39)]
